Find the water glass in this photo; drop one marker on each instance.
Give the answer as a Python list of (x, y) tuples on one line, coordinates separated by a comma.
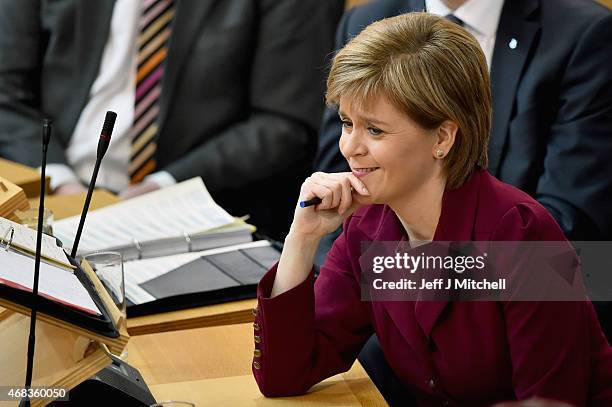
[(108, 266)]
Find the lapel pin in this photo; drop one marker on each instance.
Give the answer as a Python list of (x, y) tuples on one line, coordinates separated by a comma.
[(513, 43)]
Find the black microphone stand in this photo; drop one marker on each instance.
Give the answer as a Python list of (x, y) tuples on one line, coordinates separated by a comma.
[(46, 136), (105, 136)]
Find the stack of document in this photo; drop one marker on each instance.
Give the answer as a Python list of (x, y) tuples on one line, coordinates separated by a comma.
[(180, 248), (224, 271), (178, 219)]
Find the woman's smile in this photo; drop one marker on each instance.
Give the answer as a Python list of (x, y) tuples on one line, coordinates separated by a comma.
[(360, 172)]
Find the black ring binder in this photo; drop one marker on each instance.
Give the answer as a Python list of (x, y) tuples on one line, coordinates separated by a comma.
[(138, 247), (188, 240), (7, 245)]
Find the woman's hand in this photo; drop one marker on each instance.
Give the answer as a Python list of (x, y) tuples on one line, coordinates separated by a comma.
[(341, 194)]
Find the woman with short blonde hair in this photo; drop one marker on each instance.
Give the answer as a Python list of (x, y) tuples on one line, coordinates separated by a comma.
[(413, 96), (433, 71)]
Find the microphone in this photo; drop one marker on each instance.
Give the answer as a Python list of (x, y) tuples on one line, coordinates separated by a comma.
[(105, 137), (46, 136)]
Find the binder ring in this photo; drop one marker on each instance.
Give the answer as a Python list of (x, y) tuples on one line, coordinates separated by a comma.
[(8, 244), (138, 247), (188, 240)]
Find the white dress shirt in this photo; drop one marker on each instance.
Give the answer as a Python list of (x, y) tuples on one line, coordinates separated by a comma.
[(113, 89), (481, 18)]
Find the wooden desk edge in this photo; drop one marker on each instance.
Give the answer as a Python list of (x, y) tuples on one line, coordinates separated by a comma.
[(213, 315)]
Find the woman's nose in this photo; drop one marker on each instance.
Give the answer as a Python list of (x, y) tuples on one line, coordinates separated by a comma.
[(351, 144)]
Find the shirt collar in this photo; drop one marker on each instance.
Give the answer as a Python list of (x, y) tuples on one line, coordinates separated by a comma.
[(480, 15)]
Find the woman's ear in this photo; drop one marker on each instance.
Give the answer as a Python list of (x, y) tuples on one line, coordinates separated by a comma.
[(447, 132)]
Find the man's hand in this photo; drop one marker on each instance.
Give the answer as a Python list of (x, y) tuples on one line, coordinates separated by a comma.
[(70, 188), (138, 189)]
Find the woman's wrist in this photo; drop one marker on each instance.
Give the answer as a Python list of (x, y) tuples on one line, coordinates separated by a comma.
[(306, 239), (295, 263)]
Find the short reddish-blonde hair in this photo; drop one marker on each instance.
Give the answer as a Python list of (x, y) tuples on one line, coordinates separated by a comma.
[(431, 69)]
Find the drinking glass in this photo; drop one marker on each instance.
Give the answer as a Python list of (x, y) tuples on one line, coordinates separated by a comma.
[(108, 266)]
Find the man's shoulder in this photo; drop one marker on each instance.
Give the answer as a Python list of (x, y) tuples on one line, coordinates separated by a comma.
[(573, 14), (501, 203)]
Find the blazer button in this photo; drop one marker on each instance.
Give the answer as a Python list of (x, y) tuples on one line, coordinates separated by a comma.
[(256, 365), (257, 353), (257, 339), (256, 326), (432, 384), (254, 311), (446, 403)]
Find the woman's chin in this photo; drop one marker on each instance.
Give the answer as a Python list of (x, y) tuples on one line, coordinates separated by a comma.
[(366, 200)]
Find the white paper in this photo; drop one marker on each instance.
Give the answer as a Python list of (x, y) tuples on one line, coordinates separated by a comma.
[(170, 212), (25, 238), (56, 282), (140, 271)]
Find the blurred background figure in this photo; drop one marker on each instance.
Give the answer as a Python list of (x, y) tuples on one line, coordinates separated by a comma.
[(227, 90)]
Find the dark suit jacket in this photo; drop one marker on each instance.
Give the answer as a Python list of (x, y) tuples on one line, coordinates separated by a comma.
[(462, 353), (552, 106), (242, 93)]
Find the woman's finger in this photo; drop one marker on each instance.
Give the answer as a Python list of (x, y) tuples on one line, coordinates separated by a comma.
[(357, 184), (334, 186), (313, 189), (347, 196)]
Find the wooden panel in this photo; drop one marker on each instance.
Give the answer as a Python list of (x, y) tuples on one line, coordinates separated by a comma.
[(234, 312), (212, 366), (352, 3), (353, 388), (607, 3), (64, 206), (60, 358), (26, 177)]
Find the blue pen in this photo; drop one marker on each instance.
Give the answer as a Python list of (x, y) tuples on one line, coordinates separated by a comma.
[(310, 202)]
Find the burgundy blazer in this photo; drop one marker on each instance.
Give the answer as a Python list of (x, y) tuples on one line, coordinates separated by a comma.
[(447, 353)]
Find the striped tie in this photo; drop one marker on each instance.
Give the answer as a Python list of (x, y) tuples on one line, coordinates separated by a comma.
[(155, 29)]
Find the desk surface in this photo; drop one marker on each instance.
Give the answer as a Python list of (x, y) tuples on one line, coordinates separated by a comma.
[(212, 366)]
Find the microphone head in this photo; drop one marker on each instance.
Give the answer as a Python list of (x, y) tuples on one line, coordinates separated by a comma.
[(107, 131), (109, 124), (46, 135)]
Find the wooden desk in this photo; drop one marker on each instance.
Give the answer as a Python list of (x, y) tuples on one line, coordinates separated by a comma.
[(234, 312), (65, 206), (212, 366)]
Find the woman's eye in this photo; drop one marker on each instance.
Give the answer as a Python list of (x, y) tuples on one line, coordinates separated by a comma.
[(375, 131), (346, 123)]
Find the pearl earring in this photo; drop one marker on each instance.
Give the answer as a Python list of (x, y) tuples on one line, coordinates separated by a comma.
[(439, 153)]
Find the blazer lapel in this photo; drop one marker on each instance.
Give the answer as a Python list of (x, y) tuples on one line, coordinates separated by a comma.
[(188, 21), (456, 224), (457, 220), (515, 37)]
